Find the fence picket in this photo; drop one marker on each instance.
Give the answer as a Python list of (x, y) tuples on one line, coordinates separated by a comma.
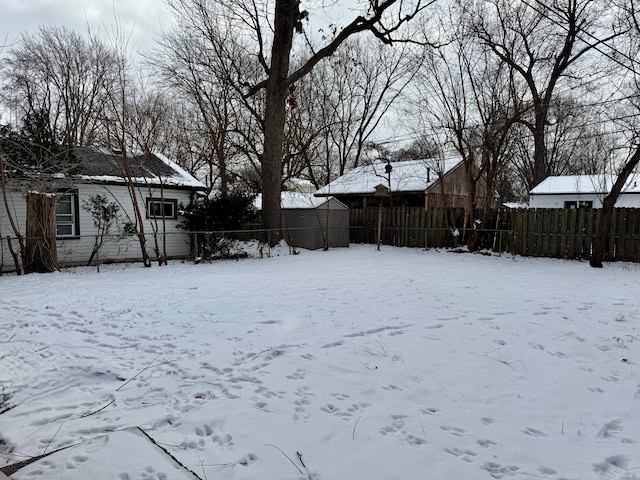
[(556, 233)]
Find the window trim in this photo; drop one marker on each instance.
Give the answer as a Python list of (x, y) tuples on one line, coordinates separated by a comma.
[(163, 201), (75, 214)]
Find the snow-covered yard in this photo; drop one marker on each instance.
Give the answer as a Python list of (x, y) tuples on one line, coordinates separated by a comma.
[(348, 364)]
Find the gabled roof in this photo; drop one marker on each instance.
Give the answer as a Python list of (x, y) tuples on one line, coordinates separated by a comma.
[(101, 165), (409, 176), (296, 200), (593, 184)]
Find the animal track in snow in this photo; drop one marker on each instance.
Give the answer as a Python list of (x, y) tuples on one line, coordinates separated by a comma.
[(301, 403), (611, 429), (547, 471), (611, 464), (430, 411), (532, 432), (397, 429), (207, 431), (340, 396), (299, 374), (375, 330), (486, 443), (343, 414), (455, 431), (500, 471), (392, 387), (466, 455)]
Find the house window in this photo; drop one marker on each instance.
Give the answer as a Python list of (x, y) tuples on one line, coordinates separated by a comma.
[(162, 208), (579, 204), (67, 221)]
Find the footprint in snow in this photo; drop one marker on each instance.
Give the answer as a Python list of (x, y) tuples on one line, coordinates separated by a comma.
[(497, 470), (455, 431), (534, 432), (611, 429), (611, 464), (485, 443), (466, 455)]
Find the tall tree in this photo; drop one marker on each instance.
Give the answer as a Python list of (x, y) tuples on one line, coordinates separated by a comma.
[(265, 31), (629, 53), (199, 63), (544, 43), (335, 109), (63, 73), (469, 100), (287, 19)]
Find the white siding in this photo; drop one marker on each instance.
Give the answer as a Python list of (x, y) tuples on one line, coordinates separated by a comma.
[(557, 200), (75, 251)]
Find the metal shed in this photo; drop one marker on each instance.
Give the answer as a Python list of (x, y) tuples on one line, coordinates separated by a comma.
[(312, 222)]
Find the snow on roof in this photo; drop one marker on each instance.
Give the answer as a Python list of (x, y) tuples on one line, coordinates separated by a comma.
[(185, 177), (408, 176), (583, 184), (103, 165), (294, 200)]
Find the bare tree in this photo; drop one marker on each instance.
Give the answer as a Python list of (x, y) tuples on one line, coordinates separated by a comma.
[(470, 101), (335, 109), (63, 73), (544, 44), (118, 132), (629, 51), (265, 31), (198, 62)]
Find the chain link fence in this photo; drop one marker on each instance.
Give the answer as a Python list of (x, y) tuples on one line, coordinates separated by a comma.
[(96, 250)]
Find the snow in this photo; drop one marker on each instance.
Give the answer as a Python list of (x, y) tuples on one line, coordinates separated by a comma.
[(583, 184), (408, 176), (183, 177), (398, 364), (294, 200)]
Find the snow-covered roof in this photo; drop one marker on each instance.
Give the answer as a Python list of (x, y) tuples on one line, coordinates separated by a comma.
[(102, 165), (408, 176), (294, 200), (556, 185)]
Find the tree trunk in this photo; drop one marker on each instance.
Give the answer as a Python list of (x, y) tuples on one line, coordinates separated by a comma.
[(608, 204), (286, 16), (41, 254), (539, 149)]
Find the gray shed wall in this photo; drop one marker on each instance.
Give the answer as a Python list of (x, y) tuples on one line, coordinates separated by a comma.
[(307, 228)]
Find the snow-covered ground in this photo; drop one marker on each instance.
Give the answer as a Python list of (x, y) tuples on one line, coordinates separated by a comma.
[(348, 364)]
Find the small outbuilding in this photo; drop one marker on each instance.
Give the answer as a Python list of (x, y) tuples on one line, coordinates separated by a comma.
[(582, 191), (311, 222)]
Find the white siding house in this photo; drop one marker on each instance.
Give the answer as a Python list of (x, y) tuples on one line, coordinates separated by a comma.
[(160, 186), (582, 191)]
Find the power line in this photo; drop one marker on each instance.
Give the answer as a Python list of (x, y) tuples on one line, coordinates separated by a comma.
[(594, 46)]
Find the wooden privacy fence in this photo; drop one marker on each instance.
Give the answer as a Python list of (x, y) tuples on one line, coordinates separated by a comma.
[(556, 233)]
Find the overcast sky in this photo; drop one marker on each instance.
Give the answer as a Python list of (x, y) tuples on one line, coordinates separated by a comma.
[(143, 19)]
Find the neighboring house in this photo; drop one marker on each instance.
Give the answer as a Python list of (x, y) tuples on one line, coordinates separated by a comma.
[(426, 183), (582, 191), (160, 186), (299, 185), (311, 222)]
